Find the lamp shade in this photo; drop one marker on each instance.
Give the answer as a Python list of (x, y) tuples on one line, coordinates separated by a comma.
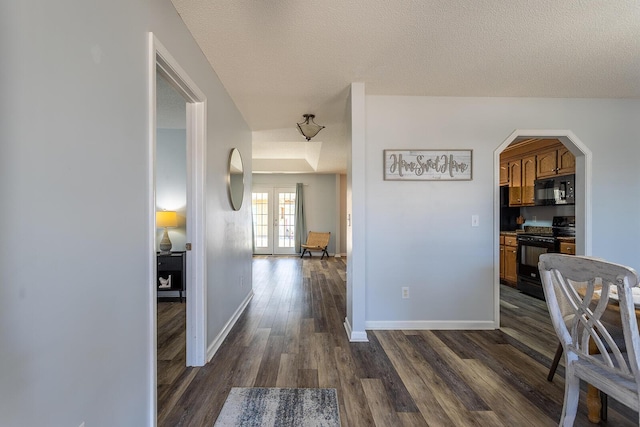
[(308, 128), (166, 219)]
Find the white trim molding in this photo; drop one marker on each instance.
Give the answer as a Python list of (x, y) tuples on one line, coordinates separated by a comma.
[(432, 325), (355, 336), (217, 341), (152, 261)]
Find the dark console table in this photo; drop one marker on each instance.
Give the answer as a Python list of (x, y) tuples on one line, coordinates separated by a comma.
[(172, 272)]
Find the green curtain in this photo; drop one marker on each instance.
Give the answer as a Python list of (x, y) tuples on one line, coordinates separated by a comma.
[(301, 223)]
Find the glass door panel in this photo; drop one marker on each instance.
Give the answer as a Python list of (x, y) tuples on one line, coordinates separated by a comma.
[(286, 221), (262, 232)]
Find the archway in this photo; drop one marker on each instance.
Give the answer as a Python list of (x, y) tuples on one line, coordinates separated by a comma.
[(583, 201)]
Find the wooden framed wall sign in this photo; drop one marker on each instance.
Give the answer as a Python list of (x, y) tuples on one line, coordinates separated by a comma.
[(427, 165)]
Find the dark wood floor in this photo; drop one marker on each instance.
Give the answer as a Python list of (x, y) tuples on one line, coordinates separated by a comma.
[(292, 335)]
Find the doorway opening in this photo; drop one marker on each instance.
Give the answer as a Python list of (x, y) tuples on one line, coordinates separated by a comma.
[(162, 63), (171, 207), (274, 220), (581, 209)]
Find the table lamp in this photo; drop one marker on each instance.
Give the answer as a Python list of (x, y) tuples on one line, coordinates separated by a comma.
[(166, 219)]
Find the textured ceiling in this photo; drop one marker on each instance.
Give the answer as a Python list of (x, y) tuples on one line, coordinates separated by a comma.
[(281, 59)]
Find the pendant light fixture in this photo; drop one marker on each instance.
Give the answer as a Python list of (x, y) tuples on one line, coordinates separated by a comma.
[(308, 128)]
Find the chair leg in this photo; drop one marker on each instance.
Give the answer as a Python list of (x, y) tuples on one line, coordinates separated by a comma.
[(554, 364), (571, 396), (604, 401), (603, 396), (303, 251)]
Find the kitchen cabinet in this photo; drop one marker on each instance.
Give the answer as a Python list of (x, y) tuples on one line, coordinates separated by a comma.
[(502, 251), (515, 183), (523, 162), (510, 263), (568, 248), (557, 161), (522, 177), (566, 162), (528, 180), (504, 173)]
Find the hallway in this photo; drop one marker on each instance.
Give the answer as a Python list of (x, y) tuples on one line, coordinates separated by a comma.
[(292, 335)]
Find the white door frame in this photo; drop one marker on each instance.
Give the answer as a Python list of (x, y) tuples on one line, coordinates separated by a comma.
[(162, 61)]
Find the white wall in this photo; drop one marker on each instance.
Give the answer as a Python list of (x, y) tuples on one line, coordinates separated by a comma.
[(74, 156), (356, 213), (419, 233), (321, 201)]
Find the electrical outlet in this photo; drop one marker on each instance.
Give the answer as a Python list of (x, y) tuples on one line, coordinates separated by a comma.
[(405, 292)]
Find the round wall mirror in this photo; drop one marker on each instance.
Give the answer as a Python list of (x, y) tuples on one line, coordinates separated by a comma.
[(235, 179)]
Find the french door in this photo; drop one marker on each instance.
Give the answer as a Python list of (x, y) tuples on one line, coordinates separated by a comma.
[(274, 220)]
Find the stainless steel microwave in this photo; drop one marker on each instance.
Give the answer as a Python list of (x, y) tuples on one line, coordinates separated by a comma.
[(559, 190)]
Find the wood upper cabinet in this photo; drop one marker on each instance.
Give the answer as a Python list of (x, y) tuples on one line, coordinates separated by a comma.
[(504, 173), (522, 174), (528, 180), (515, 183), (566, 162), (547, 163), (558, 161), (521, 164)]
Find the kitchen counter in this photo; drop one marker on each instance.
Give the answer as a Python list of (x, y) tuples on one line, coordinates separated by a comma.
[(516, 232)]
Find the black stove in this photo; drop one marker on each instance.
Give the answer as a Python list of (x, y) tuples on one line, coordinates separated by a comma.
[(533, 244), (547, 238)]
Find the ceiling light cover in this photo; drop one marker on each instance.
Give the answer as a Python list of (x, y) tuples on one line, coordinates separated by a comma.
[(308, 128)]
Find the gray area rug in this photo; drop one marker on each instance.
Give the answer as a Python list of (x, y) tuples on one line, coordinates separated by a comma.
[(309, 407)]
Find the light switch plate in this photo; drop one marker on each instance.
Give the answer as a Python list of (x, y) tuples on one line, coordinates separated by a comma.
[(475, 220)]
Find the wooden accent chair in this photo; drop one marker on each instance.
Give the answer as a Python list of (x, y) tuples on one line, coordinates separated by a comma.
[(316, 242), (577, 290)]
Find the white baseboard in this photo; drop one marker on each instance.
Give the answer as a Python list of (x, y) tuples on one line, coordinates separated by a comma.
[(355, 336), (432, 325), (217, 342)]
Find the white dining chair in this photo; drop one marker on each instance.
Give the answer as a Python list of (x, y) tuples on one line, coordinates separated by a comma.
[(578, 291)]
